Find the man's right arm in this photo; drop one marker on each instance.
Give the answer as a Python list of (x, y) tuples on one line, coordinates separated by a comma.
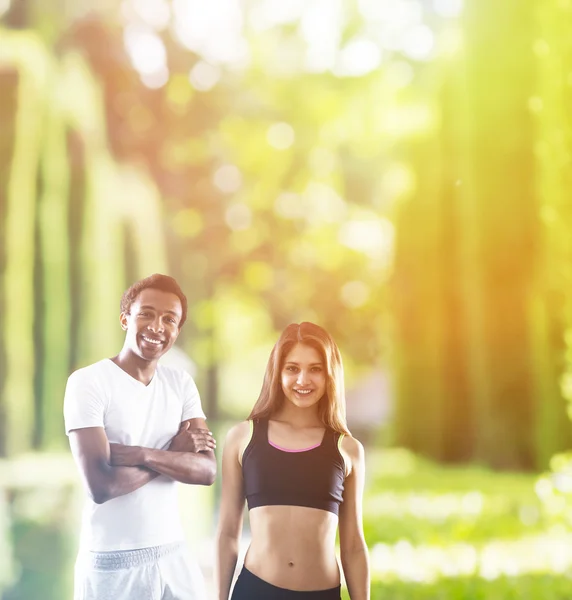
[(90, 449)]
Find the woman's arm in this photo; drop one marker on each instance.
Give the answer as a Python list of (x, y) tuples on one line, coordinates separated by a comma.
[(231, 510), (353, 549)]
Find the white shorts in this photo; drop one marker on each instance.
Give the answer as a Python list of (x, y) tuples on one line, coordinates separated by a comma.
[(158, 573)]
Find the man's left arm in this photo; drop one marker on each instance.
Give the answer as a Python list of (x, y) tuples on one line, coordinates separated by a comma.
[(189, 459)]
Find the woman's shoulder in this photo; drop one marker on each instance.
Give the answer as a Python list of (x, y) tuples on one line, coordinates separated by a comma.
[(237, 433), (238, 438), (352, 450), (351, 443)]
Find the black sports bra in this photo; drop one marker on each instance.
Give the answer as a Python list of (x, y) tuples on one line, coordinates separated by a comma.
[(313, 477)]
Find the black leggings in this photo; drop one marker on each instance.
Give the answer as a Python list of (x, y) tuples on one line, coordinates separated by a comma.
[(250, 587)]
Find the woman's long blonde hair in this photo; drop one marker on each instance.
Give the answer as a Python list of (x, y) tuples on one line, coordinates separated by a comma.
[(332, 406)]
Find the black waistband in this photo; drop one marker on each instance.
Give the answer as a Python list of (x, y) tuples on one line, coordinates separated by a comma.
[(249, 586)]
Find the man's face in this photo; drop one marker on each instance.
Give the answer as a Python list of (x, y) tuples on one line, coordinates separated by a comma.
[(152, 324)]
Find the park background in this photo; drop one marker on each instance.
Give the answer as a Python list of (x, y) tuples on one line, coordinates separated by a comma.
[(398, 171)]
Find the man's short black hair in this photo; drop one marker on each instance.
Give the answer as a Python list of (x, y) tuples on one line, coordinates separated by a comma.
[(157, 281)]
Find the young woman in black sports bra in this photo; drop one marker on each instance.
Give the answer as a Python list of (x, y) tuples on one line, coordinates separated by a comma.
[(302, 476)]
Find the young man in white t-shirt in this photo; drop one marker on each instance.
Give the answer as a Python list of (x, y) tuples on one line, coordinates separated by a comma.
[(135, 429)]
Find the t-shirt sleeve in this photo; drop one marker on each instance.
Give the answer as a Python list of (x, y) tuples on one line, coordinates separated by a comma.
[(192, 408), (84, 404)]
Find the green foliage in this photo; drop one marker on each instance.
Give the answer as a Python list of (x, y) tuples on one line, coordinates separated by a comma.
[(42, 519), (552, 310), (44, 555), (442, 532), (554, 489), (467, 372), (64, 248), (524, 587), (418, 205), (413, 499)]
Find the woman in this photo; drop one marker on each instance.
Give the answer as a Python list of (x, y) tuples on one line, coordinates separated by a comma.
[(302, 475)]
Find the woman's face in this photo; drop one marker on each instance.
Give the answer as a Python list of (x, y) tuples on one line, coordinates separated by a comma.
[(303, 376)]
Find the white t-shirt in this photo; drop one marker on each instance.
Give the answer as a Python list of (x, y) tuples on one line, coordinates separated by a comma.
[(104, 395)]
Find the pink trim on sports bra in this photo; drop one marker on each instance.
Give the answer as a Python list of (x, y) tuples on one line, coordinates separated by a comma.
[(290, 450)]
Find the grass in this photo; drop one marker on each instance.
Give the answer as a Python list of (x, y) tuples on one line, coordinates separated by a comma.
[(467, 533), (414, 499), (523, 587)]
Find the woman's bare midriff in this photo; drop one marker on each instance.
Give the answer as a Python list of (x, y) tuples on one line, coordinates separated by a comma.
[(293, 547)]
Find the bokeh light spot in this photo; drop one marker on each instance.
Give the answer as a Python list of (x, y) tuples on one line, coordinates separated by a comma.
[(212, 29), (204, 76), (238, 217), (359, 57), (541, 48), (373, 237), (321, 26), (269, 13), (399, 73), (228, 179), (448, 8), (187, 223), (153, 12), (322, 161), (322, 204), (418, 42), (397, 180), (157, 79), (354, 294), (258, 275), (548, 214), (179, 91), (280, 135), (288, 205), (146, 49), (535, 104), (303, 254)]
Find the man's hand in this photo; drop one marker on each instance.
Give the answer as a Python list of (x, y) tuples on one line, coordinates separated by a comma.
[(126, 456), (192, 440)]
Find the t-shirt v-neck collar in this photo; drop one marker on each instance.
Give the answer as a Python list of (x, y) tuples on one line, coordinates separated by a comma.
[(135, 381)]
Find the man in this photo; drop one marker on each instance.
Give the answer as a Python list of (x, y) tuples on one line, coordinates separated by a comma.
[(135, 429)]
